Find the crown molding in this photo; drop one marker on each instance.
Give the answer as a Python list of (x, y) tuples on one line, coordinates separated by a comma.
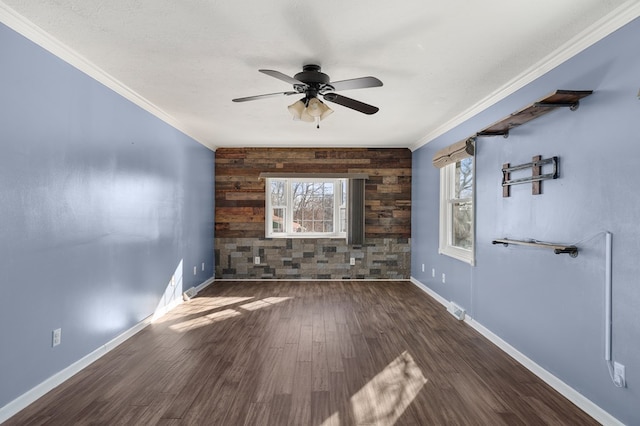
[(37, 35), (624, 14)]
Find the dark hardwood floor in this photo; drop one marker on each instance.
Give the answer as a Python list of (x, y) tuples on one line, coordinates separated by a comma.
[(305, 353)]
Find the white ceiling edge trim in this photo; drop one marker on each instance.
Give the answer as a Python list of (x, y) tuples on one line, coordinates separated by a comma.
[(594, 33), (28, 29)]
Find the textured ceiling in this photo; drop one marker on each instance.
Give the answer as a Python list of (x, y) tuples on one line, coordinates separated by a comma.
[(439, 61)]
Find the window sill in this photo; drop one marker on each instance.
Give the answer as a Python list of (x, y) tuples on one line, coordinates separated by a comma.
[(309, 236), (462, 255)]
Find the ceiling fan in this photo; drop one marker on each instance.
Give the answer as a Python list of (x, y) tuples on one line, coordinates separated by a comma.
[(311, 83)]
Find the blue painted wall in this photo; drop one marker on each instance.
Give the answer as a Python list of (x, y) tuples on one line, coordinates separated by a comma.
[(551, 307), (100, 202)]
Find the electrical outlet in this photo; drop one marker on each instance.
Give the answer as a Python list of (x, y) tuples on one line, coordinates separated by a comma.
[(352, 261), (56, 337), (618, 375), (256, 260), (203, 266), (195, 271), (443, 278), (423, 267), (433, 272)]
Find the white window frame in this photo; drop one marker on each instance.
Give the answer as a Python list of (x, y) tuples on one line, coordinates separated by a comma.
[(447, 194), (289, 233)]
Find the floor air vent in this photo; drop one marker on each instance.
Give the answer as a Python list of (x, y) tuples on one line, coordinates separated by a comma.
[(456, 311), (189, 294)]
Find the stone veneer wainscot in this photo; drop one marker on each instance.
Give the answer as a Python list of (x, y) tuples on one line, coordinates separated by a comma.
[(296, 258)]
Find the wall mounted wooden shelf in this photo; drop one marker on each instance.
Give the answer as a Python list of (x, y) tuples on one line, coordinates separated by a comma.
[(557, 248), (558, 99)]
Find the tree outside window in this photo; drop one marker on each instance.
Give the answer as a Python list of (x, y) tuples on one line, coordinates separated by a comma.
[(306, 207)]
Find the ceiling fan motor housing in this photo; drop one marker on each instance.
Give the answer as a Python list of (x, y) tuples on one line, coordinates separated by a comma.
[(311, 74), (315, 81)]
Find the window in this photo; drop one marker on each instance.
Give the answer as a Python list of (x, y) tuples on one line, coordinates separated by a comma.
[(457, 232), (306, 207)]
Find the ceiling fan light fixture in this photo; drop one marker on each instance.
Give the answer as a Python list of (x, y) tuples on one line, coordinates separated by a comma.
[(325, 111), (314, 110), (306, 117), (296, 109)]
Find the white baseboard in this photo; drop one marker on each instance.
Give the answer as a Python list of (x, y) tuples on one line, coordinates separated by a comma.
[(60, 377), (430, 292), (310, 279), (567, 391), (65, 374), (205, 284), (163, 310)]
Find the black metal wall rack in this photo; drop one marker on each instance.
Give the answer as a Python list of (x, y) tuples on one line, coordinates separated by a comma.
[(571, 250)]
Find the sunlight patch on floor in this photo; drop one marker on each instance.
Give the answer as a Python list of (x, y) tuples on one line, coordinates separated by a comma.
[(217, 316), (200, 305), (334, 420), (224, 301), (382, 401), (205, 320), (263, 303)]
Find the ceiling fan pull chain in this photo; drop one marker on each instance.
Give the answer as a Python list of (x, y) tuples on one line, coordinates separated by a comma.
[(317, 122)]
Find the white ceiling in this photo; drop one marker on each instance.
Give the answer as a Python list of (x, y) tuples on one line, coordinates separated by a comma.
[(440, 61)]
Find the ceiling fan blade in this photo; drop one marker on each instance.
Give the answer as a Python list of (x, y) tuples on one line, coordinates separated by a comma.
[(351, 103), (356, 83), (268, 95), (281, 76)]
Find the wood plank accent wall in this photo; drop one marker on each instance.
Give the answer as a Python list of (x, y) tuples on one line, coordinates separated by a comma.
[(240, 195)]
